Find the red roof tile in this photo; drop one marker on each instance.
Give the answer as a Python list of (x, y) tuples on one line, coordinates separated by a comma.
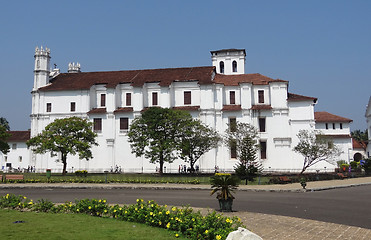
[(97, 111), (337, 135), (187, 108), (253, 78), (231, 108), (261, 107), (123, 109), (328, 117), (357, 144), (296, 97), (19, 136), (81, 81)]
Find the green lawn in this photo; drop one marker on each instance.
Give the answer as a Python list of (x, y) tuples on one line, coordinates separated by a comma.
[(74, 226), (136, 178)]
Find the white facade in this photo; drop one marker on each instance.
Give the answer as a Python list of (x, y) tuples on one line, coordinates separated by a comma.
[(215, 97)]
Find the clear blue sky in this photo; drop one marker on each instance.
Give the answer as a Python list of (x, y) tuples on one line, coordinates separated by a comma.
[(322, 47)]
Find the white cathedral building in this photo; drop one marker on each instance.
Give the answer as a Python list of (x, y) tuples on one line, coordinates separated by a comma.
[(217, 95)]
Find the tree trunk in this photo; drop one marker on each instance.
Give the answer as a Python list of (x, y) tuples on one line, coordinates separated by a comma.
[(161, 164), (64, 161)]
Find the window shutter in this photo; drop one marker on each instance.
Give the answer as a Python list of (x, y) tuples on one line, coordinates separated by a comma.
[(128, 99), (187, 98)]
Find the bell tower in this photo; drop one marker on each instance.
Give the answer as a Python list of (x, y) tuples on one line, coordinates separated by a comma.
[(42, 66), (229, 61)]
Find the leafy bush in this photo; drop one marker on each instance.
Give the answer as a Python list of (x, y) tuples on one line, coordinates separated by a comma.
[(82, 173), (179, 220), (344, 167), (340, 162)]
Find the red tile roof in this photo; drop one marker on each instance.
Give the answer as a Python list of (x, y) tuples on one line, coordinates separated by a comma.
[(123, 109), (231, 108), (187, 108), (253, 78), (296, 97), (85, 80), (328, 117), (357, 144), (19, 136), (97, 111), (261, 107), (338, 135)]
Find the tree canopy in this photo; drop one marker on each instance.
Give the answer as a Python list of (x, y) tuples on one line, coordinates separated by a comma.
[(315, 147), (359, 135), (243, 138), (156, 134), (4, 135), (4, 123), (196, 140), (68, 136)]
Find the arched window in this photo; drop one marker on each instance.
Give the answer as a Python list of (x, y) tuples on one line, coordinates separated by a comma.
[(234, 66), (221, 65)]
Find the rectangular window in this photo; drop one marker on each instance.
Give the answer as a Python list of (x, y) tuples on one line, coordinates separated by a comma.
[(124, 123), (261, 96), (20, 158), (97, 125), (103, 100), (5, 158), (154, 99), (333, 126), (232, 97), (73, 106), (233, 150), (128, 99), (14, 146), (326, 125), (341, 126), (232, 124), (48, 107), (261, 124), (263, 150), (187, 97)]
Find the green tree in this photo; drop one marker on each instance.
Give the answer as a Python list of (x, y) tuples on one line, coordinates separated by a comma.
[(156, 134), (196, 140), (4, 135), (68, 136), (315, 147), (243, 137), (359, 135), (4, 123)]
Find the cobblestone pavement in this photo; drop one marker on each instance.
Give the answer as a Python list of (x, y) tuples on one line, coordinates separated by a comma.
[(265, 225)]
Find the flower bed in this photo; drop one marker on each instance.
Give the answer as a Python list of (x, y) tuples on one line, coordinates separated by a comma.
[(182, 221)]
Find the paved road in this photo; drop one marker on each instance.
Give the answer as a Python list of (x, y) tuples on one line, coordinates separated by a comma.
[(349, 206)]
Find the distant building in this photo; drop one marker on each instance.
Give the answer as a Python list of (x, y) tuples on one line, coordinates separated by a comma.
[(368, 119), (217, 95), (18, 156)]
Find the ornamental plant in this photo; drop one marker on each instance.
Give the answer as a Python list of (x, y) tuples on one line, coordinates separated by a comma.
[(223, 184)]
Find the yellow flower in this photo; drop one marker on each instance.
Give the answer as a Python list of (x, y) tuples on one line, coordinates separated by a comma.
[(168, 225), (105, 210), (176, 235), (160, 213), (218, 237), (167, 212), (77, 210), (114, 210), (193, 219), (104, 201), (151, 205), (120, 209), (159, 223), (206, 231), (99, 200), (89, 207), (30, 203), (173, 209), (126, 212), (24, 197), (151, 213)]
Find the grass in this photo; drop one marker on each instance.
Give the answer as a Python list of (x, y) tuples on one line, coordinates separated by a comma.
[(138, 178), (74, 226)]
